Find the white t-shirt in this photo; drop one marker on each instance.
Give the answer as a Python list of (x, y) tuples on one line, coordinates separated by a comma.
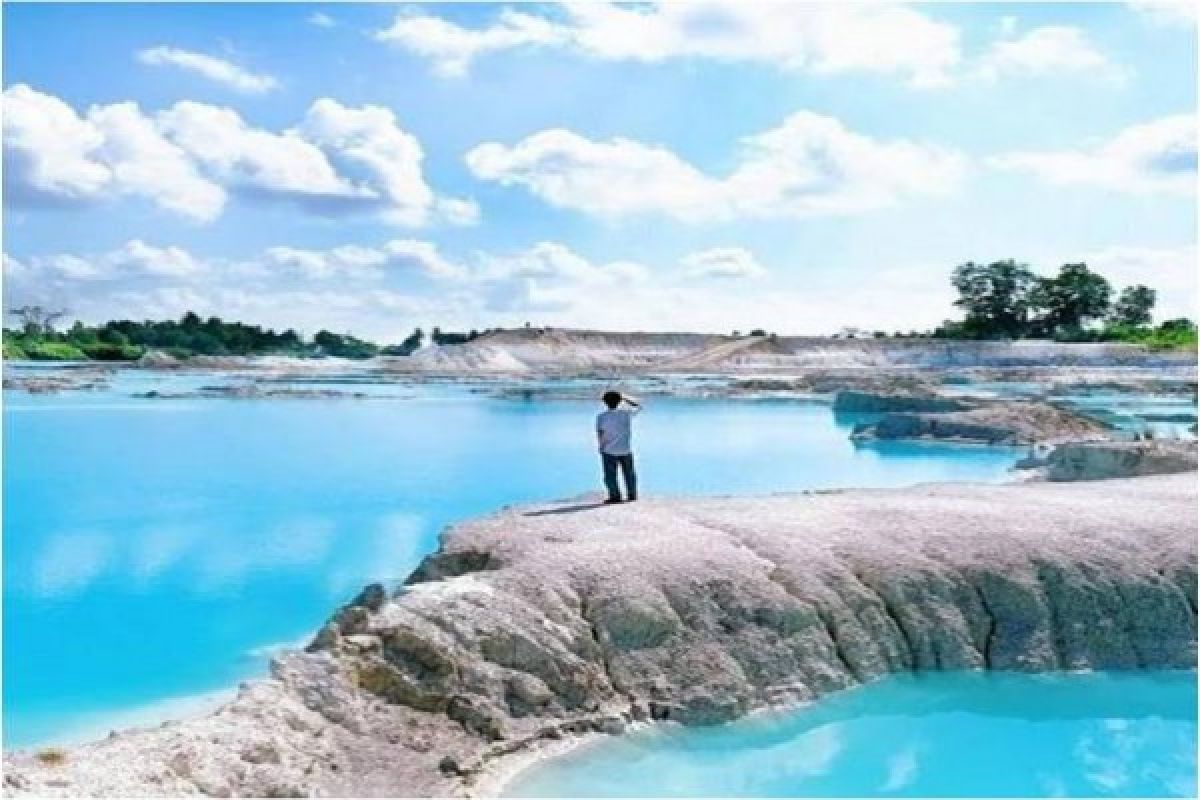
[(616, 431)]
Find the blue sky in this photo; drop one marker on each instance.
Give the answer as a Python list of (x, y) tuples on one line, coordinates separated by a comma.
[(711, 166)]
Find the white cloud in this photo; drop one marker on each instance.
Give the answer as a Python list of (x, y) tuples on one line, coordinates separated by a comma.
[(452, 48), (168, 262), (1168, 12), (247, 158), (722, 262), (14, 269), (554, 261), (367, 143), (1052, 49), (73, 268), (827, 38), (1169, 270), (457, 211), (185, 159), (1157, 156), (321, 20), (49, 150), (809, 165), (134, 259), (423, 257), (355, 261), (609, 179), (143, 162), (549, 277), (211, 67), (344, 261)]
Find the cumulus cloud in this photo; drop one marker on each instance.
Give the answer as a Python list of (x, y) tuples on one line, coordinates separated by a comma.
[(826, 38), (215, 69), (549, 276), (49, 151), (168, 262), (188, 158), (1046, 50), (722, 262), (368, 143), (1153, 157), (1182, 13), (356, 261), (133, 259), (810, 165), (283, 165), (144, 162)]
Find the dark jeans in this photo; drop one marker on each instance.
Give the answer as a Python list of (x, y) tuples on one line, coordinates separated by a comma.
[(610, 476)]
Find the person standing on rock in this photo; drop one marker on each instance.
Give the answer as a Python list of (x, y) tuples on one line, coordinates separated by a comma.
[(614, 434)]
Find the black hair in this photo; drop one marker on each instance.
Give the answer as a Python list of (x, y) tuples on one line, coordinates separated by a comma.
[(612, 399)]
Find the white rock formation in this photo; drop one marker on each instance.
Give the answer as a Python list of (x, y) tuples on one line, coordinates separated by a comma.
[(539, 623)]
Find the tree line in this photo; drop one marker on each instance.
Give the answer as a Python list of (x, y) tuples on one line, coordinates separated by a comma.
[(38, 338), (1007, 300), (1000, 300)]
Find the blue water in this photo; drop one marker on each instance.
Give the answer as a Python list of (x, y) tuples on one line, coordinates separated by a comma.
[(157, 550), (958, 734)]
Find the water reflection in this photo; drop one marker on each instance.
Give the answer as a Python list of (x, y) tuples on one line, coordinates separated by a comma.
[(1106, 734)]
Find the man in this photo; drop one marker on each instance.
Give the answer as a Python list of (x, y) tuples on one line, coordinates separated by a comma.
[(614, 434)]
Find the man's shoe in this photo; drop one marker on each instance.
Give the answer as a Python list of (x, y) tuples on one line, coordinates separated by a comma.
[(632, 498), (612, 501)]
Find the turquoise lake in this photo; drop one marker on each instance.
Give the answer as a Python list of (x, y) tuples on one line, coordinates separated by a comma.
[(157, 551), (935, 735)]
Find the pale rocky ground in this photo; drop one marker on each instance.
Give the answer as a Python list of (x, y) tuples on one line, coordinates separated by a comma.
[(541, 350), (540, 623)]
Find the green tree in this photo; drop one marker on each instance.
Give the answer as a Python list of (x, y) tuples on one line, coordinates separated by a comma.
[(995, 297), (343, 345), (1070, 300), (1134, 306)]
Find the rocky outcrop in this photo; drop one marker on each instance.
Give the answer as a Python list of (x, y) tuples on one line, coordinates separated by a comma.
[(855, 401), (995, 423), (1091, 461), (540, 623)]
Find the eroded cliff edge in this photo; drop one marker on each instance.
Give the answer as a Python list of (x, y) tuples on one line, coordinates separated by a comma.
[(538, 623)]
